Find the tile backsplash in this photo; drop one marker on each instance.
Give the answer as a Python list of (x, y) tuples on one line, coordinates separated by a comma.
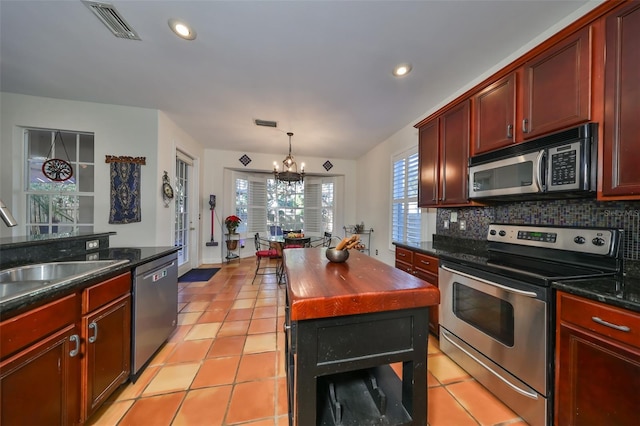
[(588, 213)]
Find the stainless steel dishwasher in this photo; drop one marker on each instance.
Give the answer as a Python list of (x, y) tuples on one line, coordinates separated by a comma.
[(155, 309)]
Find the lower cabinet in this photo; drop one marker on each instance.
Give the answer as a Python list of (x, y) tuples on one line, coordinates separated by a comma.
[(426, 268), (597, 363), (40, 377), (60, 361), (107, 338)]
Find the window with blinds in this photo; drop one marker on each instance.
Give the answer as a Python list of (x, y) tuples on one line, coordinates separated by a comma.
[(405, 213), (263, 203)]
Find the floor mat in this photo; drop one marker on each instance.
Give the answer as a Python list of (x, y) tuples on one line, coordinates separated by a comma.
[(200, 274)]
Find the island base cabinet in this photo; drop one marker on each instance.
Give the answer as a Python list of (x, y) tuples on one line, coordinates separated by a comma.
[(39, 386), (330, 360)]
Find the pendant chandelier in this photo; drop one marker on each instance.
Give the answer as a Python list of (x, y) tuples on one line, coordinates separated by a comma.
[(289, 171)]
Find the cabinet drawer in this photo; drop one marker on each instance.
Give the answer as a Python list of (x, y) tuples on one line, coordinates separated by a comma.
[(404, 266), (591, 315), (104, 292), (427, 276), (404, 255), (29, 327), (425, 263)]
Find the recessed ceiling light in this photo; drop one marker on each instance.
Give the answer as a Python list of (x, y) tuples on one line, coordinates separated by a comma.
[(182, 29), (402, 70)]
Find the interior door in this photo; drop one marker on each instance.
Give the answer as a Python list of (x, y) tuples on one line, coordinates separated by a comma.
[(186, 220)]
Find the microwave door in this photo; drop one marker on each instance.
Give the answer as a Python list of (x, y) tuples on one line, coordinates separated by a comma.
[(511, 176)]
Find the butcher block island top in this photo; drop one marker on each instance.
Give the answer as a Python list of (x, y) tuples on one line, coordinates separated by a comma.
[(318, 288)]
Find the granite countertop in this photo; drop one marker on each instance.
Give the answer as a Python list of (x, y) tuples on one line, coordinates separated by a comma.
[(135, 256), (623, 292)]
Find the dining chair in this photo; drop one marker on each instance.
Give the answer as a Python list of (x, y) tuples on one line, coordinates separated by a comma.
[(323, 241), (267, 251), (297, 242)]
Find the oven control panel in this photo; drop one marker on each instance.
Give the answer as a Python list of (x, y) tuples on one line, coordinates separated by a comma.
[(583, 240)]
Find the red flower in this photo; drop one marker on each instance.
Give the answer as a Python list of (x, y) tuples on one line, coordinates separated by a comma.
[(232, 221)]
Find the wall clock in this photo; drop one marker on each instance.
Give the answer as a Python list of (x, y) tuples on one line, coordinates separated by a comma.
[(167, 190)]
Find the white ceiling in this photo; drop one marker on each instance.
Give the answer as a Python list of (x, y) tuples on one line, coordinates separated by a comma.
[(321, 69)]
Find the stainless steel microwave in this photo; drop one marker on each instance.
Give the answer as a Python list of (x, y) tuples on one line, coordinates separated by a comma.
[(560, 165)]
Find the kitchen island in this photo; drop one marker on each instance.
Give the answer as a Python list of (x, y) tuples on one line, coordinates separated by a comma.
[(345, 324)]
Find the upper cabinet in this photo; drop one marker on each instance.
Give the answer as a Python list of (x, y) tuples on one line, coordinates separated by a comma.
[(556, 87), (620, 146), (550, 92), (444, 153), (494, 115)]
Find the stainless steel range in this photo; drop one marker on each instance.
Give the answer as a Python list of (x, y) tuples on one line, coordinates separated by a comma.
[(497, 313)]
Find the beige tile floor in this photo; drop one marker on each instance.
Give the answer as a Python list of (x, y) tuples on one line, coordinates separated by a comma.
[(224, 365)]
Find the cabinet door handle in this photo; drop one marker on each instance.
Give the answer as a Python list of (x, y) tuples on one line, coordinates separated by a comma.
[(510, 131), (525, 126), (402, 255), (94, 326), (425, 262), (611, 325), (76, 351)]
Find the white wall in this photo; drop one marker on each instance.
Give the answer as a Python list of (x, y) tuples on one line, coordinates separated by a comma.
[(374, 194), (118, 130), (173, 138)]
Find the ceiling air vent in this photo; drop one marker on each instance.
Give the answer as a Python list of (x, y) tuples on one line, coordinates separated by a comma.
[(265, 123), (110, 17)]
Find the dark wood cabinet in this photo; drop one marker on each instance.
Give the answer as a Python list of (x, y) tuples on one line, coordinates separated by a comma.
[(40, 379), (428, 155), (106, 326), (60, 361), (556, 86), (621, 146), (443, 151), (597, 363), (494, 115), (426, 268)]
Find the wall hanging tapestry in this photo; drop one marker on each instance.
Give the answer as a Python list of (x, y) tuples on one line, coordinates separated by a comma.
[(125, 189)]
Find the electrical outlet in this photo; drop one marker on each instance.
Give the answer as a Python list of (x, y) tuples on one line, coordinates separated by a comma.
[(454, 217), (92, 245), (376, 252), (463, 225), (92, 257), (445, 225)]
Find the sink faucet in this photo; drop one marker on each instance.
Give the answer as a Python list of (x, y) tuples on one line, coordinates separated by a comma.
[(6, 215)]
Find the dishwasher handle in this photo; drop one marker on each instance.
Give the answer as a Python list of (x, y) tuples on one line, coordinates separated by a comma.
[(150, 274)]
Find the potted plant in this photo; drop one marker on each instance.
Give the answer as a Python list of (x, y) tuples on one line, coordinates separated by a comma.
[(232, 222)]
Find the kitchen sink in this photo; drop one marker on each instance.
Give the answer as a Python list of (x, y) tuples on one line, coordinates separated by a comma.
[(21, 280)]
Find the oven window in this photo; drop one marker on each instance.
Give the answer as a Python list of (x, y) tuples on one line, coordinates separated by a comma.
[(490, 314)]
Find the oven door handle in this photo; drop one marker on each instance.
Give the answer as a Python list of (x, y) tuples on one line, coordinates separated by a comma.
[(491, 283), (531, 395)]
